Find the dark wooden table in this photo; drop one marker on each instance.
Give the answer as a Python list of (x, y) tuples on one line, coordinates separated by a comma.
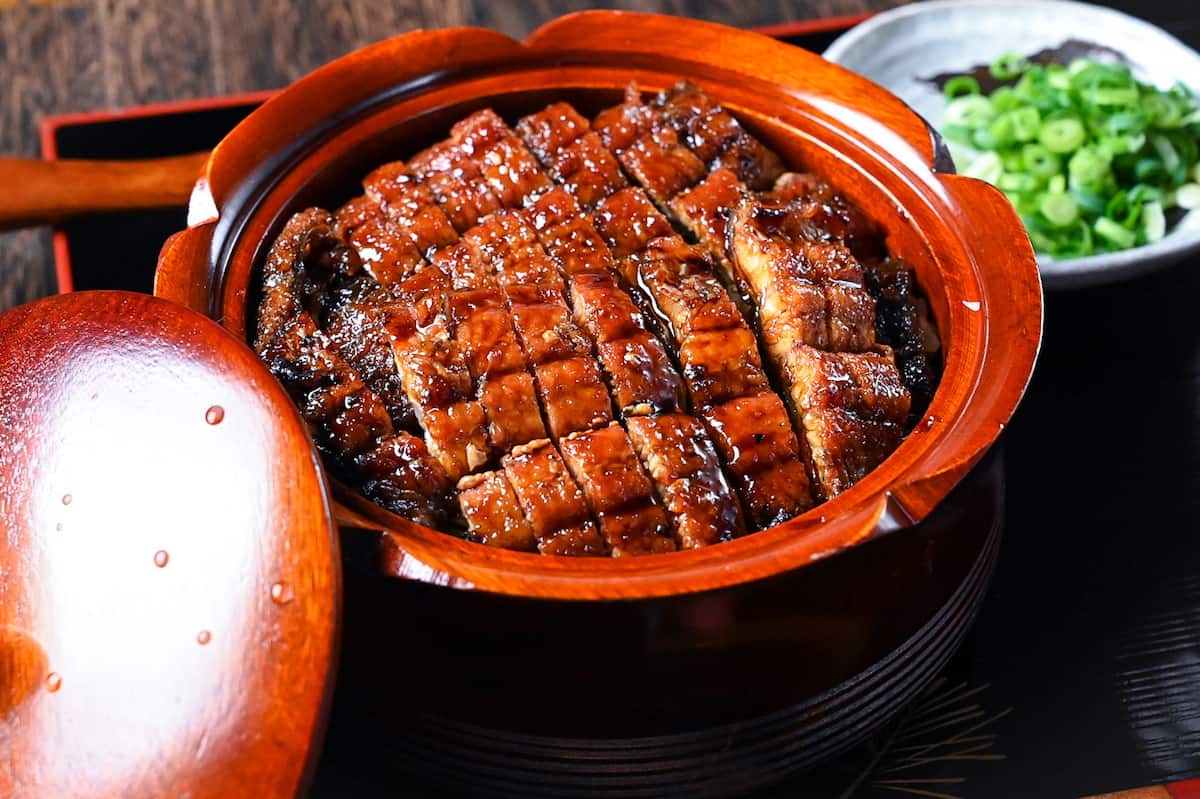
[(1087, 655)]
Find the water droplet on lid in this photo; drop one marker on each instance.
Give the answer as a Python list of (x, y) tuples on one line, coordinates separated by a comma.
[(282, 593), (971, 305), (66, 499), (161, 557), (53, 681), (214, 415), (203, 637)]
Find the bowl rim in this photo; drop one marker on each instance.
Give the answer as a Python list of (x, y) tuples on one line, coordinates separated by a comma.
[(1000, 295), (1064, 273)]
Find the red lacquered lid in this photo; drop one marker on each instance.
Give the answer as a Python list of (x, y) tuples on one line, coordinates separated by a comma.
[(169, 577)]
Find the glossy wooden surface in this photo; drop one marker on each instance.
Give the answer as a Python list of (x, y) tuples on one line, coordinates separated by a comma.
[(51, 191), (169, 579), (967, 245)]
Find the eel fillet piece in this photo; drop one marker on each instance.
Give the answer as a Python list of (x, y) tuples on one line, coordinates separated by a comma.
[(483, 331), (552, 502), (640, 374), (411, 205), (436, 379), (508, 170), (618, 490), (493, 512), (818, 324), (566, 374), (687, 475)]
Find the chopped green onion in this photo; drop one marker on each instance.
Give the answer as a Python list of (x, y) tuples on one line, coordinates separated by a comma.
[(1154, 222), (1077, 66), (1147, 169), (1124, 122), (1027, 122), (972, 111), (961, 86), (1164, 112), (958, 133), (1118, 97), (1058, 78), (1040, 161), (1088, 166), (1114, 233), (1188, 196), (1166, 151), (1091, 201), (1059, 209), (1062, 135), (1092, 159), (1005, 99), (982, 139), (1124, 145), (1008, 66), (1003, 131), (985, 167), (1123, 210), (1142, 193), (1015, 181)]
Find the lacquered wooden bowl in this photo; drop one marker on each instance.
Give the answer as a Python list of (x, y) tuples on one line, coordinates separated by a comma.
[(750, 629)]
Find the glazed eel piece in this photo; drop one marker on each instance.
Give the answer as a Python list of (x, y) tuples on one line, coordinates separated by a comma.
[(506, 248), (672, 446), (449, 191), (504, 251), (900, 317), (718, 356), (531, 502), (572, 154), (818, 324), (807, 289), (644, 382), (433, 369), (456, 182), (816, 317), (670, 143), (467, 402), (350, 422)]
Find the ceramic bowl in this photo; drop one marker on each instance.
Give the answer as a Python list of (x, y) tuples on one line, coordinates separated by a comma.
[(904, 48)]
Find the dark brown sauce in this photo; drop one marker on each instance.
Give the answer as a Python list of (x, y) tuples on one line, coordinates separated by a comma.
[(1064, 53)]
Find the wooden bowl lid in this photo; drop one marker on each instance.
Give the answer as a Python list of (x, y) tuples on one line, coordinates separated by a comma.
[(170, 580)]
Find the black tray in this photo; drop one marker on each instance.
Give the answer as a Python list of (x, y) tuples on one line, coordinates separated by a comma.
[(1083, 672)]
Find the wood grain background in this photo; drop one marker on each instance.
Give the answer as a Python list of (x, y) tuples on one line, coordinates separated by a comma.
[(58, 57)]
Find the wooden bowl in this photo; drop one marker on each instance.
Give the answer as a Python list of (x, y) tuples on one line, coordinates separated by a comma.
[(630, 667)]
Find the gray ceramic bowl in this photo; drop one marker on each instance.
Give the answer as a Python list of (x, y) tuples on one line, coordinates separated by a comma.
[(900, 49)]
